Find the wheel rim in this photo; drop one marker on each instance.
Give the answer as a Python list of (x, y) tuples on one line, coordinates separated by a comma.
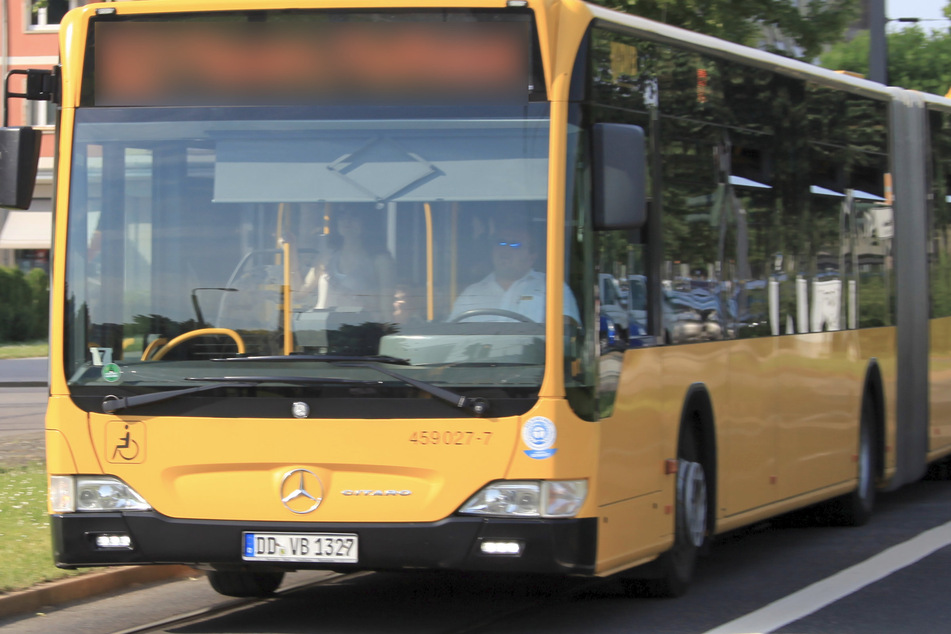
[(692, 492), (866, 478)]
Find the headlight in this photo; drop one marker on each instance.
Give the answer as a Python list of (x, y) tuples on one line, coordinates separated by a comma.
[(69, 494), (519, 499), (563, 498), (556, 498)]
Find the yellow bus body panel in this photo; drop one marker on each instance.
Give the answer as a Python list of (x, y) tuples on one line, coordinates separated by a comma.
[(635, 495), (233, 468), (392, 470), (940, 390), (786, 415), (74, 452)]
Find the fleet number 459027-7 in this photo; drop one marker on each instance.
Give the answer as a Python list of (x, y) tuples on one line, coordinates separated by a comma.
[(450, 438)]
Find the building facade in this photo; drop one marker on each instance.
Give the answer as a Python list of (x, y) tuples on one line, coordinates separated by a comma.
[(29, 38)]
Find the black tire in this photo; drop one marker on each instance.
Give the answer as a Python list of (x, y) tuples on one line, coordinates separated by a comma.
[(855, 508), (670, 574), (245, 583)]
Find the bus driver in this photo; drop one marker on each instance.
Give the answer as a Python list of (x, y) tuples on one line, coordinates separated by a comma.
[(513, 285)]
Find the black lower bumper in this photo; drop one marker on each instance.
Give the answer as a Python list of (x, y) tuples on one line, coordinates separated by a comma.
[(564, 546)]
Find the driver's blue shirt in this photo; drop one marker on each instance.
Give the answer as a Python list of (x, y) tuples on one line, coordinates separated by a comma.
[(526, 296)]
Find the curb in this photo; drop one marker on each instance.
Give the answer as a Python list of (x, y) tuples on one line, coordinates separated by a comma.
[(85, 586)]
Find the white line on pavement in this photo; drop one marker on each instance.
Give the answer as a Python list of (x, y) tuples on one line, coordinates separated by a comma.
[(822, 593)]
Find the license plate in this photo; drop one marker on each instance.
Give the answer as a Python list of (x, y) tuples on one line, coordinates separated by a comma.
[(302, 547)]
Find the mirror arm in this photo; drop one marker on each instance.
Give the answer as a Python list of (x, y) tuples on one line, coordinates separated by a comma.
[(41, 85)]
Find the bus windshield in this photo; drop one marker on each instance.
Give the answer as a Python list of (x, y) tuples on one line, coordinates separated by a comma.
[(303, 237)]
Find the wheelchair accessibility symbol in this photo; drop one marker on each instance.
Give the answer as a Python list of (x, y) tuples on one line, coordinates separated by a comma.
[(125, 442)]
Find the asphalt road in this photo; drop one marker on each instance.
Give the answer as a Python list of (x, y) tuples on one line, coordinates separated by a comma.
[(33, 372), (23, 396), (22, 410)]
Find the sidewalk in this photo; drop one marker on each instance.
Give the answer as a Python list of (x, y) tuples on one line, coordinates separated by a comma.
[(53, 593)]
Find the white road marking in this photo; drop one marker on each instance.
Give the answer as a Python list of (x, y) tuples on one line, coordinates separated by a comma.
[(822, 593)]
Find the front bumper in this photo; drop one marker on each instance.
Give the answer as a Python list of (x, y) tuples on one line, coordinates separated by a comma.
[(562, 546)]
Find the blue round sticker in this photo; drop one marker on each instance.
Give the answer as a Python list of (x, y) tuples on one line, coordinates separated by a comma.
[(539, 434)]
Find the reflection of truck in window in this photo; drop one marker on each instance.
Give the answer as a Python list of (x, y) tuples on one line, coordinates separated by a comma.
[(637, 298)]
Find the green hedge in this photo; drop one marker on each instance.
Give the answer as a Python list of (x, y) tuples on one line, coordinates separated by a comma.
[(24, 304)]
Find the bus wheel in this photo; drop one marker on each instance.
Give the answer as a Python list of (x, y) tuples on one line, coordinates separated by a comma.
[(670, 574), (855, 508), (244, 583)]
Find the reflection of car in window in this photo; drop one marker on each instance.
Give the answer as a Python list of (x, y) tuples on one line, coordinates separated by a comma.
[(623, 321), (612, 304), (691, 314), (607, 335)]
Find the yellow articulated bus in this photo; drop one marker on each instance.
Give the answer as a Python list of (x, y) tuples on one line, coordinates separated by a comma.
[(482, 285)]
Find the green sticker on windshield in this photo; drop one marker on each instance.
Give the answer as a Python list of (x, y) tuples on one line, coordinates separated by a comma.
[(111, 372)]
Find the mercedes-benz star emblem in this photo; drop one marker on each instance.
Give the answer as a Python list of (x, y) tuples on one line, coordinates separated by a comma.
[(301, 491)]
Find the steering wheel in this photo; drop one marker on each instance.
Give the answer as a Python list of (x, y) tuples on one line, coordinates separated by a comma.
[(201, 332), (497, 312)]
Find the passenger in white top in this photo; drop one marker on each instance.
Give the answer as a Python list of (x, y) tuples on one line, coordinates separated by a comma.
[(358, 273), (513, 285)]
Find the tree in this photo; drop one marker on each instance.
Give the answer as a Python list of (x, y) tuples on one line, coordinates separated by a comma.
[(916, 60), (816, 24), (24, 304)]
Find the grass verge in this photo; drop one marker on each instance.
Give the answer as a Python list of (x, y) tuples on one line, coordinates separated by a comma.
[(25, 529), (24, 349)]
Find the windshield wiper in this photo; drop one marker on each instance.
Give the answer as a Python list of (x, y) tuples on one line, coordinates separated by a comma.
[(114, 403), (330, 358), (478, 406)]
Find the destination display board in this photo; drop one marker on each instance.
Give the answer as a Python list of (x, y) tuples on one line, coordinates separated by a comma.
[(213, 60)]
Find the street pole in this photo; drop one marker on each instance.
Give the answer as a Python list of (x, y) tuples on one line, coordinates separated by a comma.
[(878, 46)]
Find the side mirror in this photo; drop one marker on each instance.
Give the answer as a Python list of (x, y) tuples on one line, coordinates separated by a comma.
[(19, 158), (619, 164)]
